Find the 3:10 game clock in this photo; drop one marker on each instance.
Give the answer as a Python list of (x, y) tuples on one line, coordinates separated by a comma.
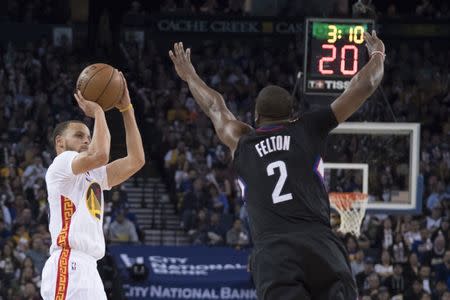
[(334, 52)]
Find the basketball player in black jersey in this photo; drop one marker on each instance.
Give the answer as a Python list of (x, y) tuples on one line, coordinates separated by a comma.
[(296, 255)]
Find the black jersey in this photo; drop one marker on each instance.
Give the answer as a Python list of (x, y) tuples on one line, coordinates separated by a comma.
[(279, 171)]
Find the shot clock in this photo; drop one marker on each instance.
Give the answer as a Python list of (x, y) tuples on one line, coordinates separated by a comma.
[(334, 52)]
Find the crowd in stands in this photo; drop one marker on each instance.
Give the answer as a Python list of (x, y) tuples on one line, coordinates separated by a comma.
[(138, 12), (403, 254), (35, 11)]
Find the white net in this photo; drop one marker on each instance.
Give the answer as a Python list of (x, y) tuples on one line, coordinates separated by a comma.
[(352, 208)]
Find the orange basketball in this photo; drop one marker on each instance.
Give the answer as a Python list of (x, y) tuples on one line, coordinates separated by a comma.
[(101, 83)]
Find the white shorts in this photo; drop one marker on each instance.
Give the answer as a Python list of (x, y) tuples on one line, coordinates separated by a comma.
[(72, 275)]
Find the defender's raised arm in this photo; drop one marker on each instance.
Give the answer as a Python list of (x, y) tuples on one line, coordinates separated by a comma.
[(210, 101), (364, 83)]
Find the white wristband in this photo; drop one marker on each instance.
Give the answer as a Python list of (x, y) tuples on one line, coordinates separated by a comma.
[(378, 52)]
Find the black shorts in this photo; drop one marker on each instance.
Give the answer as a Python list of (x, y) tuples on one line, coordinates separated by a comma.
[(302, 265)]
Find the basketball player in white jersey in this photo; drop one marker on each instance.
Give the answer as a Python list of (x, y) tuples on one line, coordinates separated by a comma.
[(75, 181)]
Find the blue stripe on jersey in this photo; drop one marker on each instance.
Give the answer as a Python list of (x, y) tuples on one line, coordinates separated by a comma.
[(243, 188), (318, 165), (269, 128)]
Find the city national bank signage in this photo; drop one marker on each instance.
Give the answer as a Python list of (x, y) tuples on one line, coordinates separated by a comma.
[(185, 272)]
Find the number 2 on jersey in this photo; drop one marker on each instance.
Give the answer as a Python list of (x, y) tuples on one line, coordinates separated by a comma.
[(276, 197)]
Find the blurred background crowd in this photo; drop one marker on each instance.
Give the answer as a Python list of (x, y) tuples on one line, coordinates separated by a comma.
[(401, 254), (59, 12)]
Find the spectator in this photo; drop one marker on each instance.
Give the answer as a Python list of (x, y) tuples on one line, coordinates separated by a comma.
[(193, 201), (436, 195), (399, 250), (199, 235), (38, 253), (384, 269), (387, 235), (237, 236), (4, 232), (357, 264), (396, 283), (415, 292), (435, 219), (21, 234), (436, 254), (413, 234), (424, 275), (445, 296), (383, 293), (33, 172), (352, 246), (172, 155), (216, 232), (443, 270), (30, 292), (412, 267), (11, 169), (9, 265), (122, 229), (361, 277), (219, 200), (373, 284), (439, 291), (423, 246)]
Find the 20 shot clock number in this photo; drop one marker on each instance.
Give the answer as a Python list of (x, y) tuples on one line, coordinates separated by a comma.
[(334, 53), (343, 61)]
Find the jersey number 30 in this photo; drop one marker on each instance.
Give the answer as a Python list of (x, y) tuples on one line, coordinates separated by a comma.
[(276, 197)]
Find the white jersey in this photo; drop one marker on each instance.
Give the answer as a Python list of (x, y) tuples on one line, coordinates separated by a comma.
[(76, 207)]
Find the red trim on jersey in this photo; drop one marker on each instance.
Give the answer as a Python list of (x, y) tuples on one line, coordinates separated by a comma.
[(62, 277), (67, 210)]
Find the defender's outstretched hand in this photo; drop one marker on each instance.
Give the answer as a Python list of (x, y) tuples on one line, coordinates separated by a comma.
[(373, 43), (182, 61)]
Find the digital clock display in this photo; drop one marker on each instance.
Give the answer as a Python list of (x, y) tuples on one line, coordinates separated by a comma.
[(334, 52)]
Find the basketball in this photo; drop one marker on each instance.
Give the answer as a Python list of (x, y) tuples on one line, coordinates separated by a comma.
[(101, 83)]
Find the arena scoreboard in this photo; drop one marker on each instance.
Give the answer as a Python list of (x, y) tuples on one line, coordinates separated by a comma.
[(334, 51)]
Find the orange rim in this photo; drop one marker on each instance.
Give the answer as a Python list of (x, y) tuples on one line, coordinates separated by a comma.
[(346, 200)]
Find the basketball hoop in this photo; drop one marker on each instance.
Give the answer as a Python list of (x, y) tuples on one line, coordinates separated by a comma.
[(352, 208)]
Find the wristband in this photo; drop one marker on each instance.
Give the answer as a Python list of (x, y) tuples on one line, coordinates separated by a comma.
[(126, 108), (378, 52)]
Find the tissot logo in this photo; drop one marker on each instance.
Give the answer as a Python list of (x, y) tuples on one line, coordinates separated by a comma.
[(328, 84)]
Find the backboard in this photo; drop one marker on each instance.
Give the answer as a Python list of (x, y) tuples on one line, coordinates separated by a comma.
[(380, 159)]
